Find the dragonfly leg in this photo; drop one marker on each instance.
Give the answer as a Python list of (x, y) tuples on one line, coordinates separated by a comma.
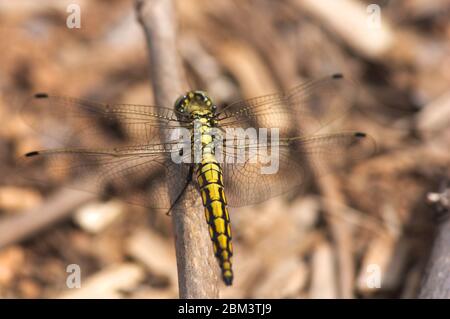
[(188, 181)]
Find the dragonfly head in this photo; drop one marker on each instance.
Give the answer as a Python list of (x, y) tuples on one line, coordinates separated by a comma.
[(195, 103)]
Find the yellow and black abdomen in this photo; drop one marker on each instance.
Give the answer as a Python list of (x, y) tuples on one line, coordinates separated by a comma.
[(210, 181)]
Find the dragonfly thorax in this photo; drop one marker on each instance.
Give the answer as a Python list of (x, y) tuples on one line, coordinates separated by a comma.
[(195, 104)]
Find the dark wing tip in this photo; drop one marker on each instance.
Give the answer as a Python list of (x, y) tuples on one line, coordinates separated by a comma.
[(337, 76), (30, 154), (360, 134), (41, 95)]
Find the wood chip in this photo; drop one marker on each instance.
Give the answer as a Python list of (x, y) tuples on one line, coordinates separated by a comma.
[(305, 212), (323, 281), (350, 20), (14, 199), (154, 252), (386, 257), (29, 288), (95, 217), (283, 281), (435, 117), (107, 283), (11, 259)]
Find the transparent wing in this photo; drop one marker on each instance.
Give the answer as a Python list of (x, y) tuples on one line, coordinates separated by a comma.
[(81, 122), (274, 168), (142, 174), (315, 104), (145, 172)]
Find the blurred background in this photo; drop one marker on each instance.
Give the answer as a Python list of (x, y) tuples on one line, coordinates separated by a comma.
[(365, 232)]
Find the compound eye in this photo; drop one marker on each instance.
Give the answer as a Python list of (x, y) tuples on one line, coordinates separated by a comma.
[(180, 102)]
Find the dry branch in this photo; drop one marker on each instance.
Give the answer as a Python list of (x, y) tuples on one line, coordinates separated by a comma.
[(108, 283), (58, 207), (197, 269), (341, 232), (349, 19)]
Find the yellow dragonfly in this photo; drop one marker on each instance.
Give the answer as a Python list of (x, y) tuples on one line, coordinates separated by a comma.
[(239, 154)]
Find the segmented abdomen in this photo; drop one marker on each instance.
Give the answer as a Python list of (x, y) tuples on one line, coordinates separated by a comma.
[(210, 181)]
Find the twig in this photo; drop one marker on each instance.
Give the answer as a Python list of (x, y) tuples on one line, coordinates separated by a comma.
[(353, 25), (58, 207), (197, 269), (341, 232), (436, 283), (108, 283)]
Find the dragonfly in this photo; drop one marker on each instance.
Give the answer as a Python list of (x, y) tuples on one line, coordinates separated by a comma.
[(147, 160)]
